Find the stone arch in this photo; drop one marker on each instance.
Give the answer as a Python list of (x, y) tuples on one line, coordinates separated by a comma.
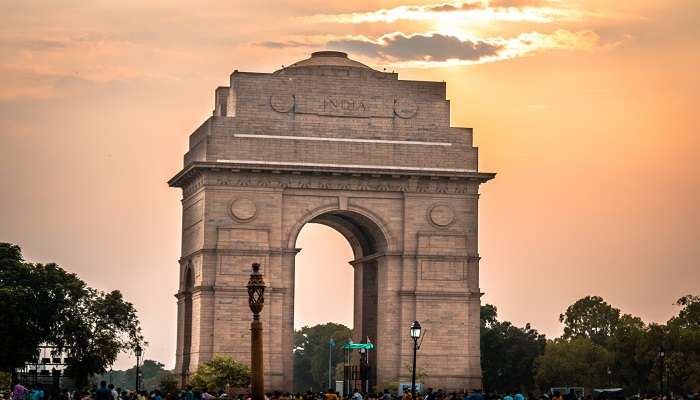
[(370, 240), (366, 232), (188, 288), (403, 192)]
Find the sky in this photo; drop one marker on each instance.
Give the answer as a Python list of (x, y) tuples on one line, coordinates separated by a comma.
[(588, 112)]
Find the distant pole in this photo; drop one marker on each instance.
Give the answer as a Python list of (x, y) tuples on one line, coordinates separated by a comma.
[(137, 352), (413, 376), (415, 335), (256, 300), (662, 358), (331, 343)]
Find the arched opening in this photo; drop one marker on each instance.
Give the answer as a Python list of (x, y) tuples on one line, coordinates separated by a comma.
[(323, 272), (336, 278), (187, 326)]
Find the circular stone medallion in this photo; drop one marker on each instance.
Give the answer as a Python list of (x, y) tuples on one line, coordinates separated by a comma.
[(441, 214), (282, 102), (405, 108), (243, 209)]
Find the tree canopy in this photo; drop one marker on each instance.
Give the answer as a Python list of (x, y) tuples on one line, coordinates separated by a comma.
[(508, 352), (311, 346), (576, 362), (590, 317), (219, 373), (607, 340), (153, 376), (44, 304)]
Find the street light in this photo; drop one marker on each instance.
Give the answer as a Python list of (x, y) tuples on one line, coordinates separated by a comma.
[(256, 300), (415, 335), (137, 352), (662, 358)]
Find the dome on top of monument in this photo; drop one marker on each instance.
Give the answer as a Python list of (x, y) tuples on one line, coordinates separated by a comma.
[(328, 59)]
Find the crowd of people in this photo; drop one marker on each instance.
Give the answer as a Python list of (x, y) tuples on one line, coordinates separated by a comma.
[(109, 392)]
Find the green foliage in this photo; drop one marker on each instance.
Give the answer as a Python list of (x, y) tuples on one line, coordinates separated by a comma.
[(689, 315), (421, 374), (42, 303), (168, 383), (5, 380), (311, 354), (590, 317), (488, 314), (603, 338), (683, 346), (102, 326), (153, 373), (576, 362), (508, 353), (35, 300), (219, 373), (632, 356)]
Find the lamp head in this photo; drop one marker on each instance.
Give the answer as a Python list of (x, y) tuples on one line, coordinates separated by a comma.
[(138, 350), (415, 330), (256, 290)]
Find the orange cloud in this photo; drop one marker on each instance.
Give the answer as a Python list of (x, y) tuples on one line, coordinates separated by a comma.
[(32, 68), (434, 49), (500, 10)]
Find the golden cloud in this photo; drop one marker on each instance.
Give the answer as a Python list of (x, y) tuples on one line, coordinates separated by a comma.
[(499, 10), (434, 49)]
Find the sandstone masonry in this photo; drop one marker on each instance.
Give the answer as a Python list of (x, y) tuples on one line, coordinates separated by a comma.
[(332, 141)]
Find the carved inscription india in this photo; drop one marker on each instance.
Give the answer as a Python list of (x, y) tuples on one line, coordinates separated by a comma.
[(344, 106), (339, 105)]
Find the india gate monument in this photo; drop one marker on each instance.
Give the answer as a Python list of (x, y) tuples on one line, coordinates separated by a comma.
[(332, 141)]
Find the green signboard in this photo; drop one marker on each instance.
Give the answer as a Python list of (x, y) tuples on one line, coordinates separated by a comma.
[(368, 346)]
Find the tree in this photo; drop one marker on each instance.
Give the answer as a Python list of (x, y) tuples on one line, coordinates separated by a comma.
[(631, 361), (689, 315), (29, 314), (421, 376), (219, 373), (168, 383), (102, 326), (508, 353), (576, 362), (634, 346), (590, 317), (153, 374), (90, 326), (311, 354), (683, 346), (489, 315)]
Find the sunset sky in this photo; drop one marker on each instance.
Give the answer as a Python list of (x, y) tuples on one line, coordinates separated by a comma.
[(587, 110)]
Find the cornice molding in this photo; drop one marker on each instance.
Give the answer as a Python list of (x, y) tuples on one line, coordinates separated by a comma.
[(401, 177)]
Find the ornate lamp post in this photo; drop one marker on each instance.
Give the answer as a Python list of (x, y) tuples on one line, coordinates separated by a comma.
[(415, 335), (256, 300), (137, 352)]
